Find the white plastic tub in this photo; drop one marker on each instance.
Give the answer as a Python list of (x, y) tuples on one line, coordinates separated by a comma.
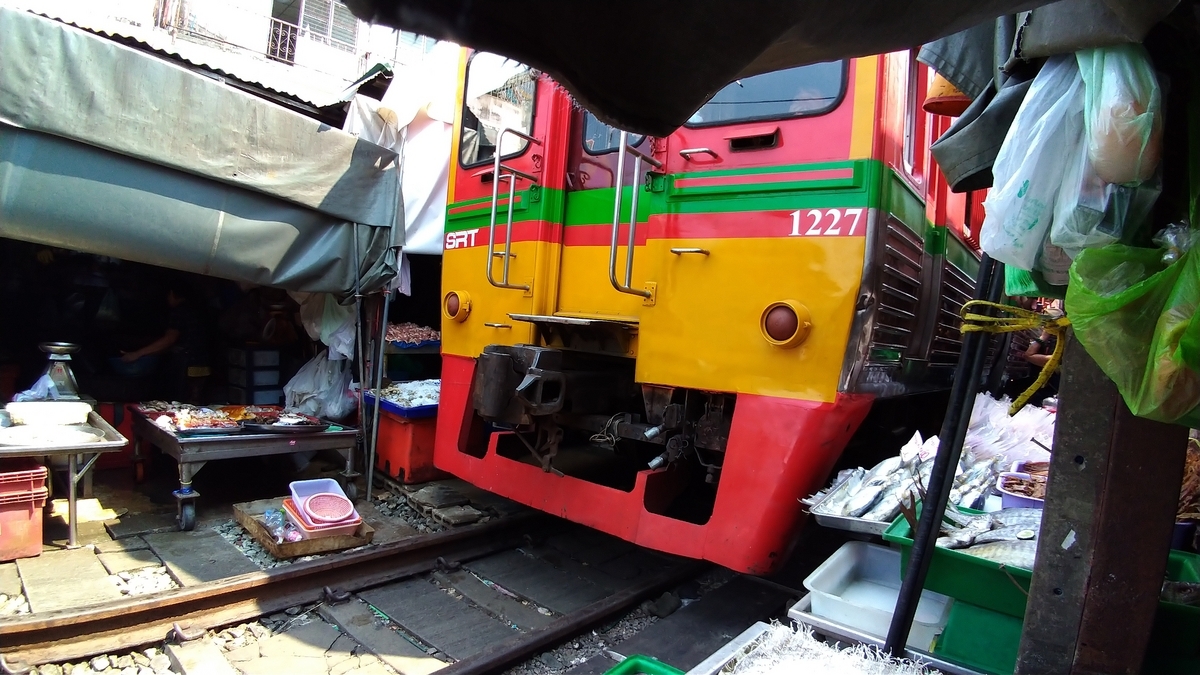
[(303, 489), (858, 586)]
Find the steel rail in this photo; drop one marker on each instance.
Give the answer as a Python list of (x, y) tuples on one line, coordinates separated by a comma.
[(112, 627)]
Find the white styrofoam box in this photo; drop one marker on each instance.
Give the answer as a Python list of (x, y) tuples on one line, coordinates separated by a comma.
[(34, 413), (858, 586), (303, 489), (253, 358), (253, 378)]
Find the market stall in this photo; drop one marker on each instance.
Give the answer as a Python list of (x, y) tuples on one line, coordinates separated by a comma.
[(172, 169), (194, 436)]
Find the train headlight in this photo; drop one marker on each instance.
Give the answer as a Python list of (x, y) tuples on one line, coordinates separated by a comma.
[(785, 323), (456, 305)]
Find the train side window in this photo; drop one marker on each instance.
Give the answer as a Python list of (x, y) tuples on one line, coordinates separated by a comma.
[(804, 91), (600, 138), (499, 93), (914, 121)]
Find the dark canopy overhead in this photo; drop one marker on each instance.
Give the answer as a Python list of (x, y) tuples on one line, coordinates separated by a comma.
[(645, 66)]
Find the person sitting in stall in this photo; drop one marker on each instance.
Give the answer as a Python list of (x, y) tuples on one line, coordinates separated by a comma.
[(186, 343), (1038, 355)]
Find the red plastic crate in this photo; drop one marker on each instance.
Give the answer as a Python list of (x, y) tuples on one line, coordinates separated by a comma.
[(21, 524), (405, 448), (21, 475)]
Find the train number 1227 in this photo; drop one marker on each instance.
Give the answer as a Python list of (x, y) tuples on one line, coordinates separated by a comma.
[(826, 222)]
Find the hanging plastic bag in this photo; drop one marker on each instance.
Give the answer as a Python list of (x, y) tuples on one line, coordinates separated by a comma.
[(1092, 212), (1029, 167), (1122, 112), (321, 388), (1134, 312)]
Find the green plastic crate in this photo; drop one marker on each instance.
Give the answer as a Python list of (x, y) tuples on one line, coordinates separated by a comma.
[(1175, 640), (643, 665), (980, 639), (982, 585), (966, 578)]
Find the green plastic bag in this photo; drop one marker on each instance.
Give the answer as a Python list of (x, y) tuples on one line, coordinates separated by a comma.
[(1135, 315)]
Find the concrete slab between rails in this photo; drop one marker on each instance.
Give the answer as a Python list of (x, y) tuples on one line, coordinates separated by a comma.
[(64, 580), (378, 635), (196, 557)]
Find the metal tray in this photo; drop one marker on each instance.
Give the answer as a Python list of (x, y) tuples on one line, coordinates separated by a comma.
[(207, 431), (113, 441), (284, 428), (861, 525), (833, 630)]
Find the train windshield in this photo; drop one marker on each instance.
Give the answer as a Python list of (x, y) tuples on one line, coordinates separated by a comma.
[(499, 93), (794, 92)]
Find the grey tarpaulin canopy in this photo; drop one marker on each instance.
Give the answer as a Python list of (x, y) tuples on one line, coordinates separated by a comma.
[(109, 150)]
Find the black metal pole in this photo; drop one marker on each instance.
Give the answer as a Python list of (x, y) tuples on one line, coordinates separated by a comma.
[(954, 429)]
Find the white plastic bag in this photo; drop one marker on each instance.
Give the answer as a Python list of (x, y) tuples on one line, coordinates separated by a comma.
[(1123, 112), (321, 388), (1029, 167), (42, 390)]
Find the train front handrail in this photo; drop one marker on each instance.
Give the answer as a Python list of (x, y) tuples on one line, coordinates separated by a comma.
[(638, 156), (511, 175)]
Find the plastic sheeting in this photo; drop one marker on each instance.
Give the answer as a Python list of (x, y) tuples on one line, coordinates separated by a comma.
[(111, 151), (415, 119), (62, 193)]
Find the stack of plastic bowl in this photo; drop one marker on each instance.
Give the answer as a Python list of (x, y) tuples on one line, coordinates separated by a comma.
[(319, 508)]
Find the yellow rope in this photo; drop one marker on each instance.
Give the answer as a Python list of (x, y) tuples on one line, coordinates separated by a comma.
[(1013, 319)]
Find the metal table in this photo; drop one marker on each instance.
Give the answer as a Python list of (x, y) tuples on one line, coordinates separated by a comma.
[(193, 452), (88, 453)]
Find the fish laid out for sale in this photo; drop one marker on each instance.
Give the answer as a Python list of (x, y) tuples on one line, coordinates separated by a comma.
[(1008, 536), (879, 493)]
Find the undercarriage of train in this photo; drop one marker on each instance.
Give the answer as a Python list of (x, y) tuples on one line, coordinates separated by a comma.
[(582, 414)]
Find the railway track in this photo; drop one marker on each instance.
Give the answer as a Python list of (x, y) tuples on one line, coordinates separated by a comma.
[(563, 591)]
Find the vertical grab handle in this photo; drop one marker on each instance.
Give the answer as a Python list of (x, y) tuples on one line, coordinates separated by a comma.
[(505, 173), (618, 180)]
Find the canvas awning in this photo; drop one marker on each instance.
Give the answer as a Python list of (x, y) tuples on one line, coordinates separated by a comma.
[(109, 150)]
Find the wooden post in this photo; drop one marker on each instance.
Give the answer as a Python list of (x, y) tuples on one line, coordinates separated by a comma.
[(1106, 530)]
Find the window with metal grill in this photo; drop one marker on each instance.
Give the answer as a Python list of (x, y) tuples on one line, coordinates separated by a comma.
[(330, 22)]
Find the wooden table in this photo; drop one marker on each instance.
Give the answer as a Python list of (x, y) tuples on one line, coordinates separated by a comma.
[(193, 452)]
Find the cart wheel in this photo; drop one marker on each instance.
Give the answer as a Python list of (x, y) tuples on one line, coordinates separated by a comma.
[(139, 472), (351, 489), (187, 516)]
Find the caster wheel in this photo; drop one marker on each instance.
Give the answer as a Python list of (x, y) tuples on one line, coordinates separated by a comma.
[(351, 490), (187, 516)]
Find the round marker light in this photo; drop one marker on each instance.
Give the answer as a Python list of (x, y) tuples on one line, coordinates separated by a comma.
[(786, 323), (456, 306)]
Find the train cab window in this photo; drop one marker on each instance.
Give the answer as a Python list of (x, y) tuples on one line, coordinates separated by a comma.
[(499, 93), (804, 91), (600, 138)]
